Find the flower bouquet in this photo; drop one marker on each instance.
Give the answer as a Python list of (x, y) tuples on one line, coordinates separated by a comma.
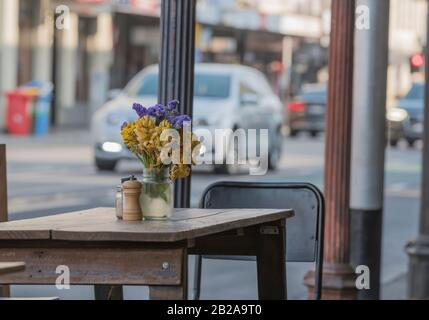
[(162, 140)]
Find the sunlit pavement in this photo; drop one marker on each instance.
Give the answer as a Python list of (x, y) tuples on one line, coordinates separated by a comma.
[(56, 175)]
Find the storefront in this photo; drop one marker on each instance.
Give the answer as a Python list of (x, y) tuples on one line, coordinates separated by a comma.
[(106, 43)]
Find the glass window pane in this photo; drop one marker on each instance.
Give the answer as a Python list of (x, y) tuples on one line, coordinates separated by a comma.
[(212, 86)]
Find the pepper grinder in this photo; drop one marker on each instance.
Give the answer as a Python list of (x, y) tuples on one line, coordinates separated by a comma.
[(131, 206)]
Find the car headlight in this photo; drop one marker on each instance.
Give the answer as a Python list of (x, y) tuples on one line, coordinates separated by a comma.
[(113, 119), (111, 147), (397, 115)]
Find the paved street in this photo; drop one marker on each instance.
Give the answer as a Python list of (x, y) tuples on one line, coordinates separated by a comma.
[(53, 175)]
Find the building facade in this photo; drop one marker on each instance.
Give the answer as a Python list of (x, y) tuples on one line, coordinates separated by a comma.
[(407, 36), (87, 47)]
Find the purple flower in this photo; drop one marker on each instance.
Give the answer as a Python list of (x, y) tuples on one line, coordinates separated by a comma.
[(124, 125), (170, 118), (151, 111), (180, 120), (158, 111), (140, 110), (173, 106)]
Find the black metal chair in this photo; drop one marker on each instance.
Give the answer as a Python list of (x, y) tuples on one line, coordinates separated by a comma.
[(304, 232)]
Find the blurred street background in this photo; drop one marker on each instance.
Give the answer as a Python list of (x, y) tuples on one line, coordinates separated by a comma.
[(102, 45)]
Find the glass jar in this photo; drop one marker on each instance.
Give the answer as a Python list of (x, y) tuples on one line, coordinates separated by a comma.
[(157, 198)]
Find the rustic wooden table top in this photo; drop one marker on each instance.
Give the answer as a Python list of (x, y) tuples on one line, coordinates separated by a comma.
[(100, 224), (10, 267)]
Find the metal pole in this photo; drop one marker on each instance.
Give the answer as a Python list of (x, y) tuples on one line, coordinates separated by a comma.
[(369, 140), (176, 70), (338, 276), (418, 250)]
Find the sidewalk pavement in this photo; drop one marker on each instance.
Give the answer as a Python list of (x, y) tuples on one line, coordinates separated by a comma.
[(58, 136), (395, 289)]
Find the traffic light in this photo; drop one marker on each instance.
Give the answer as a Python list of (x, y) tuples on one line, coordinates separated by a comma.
[(417, 62)]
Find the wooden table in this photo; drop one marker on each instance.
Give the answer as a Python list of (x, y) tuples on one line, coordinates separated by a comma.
[(100, 250), (10, 267)]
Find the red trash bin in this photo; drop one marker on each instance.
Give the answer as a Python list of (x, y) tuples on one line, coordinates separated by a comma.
[(19, 113)]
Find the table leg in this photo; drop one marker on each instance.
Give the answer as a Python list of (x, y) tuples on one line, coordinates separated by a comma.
[(167, 293), (271, 263), (4, 291), (179, 292), (107, 292)]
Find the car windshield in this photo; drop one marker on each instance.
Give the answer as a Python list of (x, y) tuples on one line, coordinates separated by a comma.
[(417, 92), (206, 86), (314, 95)]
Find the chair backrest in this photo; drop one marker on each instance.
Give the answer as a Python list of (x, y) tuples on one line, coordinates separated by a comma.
[(3, 184), (303, 232)]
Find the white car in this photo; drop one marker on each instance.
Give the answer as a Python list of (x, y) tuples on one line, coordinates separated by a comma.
[(225, 97)]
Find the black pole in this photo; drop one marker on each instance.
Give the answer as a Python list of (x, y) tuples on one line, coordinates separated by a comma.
[(176, 69), (418, 250)]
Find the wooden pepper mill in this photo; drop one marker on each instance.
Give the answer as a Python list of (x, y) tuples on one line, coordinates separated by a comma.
[(131, 205)]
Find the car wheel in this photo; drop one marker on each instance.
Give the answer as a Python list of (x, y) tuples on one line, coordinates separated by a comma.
[(394, 143), (276, 153), (274, 159), (221, 169), (411, 143), (228, 169), (293, 133), (314, 134), (105, 165)]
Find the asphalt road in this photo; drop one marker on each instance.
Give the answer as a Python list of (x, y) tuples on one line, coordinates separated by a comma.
[(56, 175)]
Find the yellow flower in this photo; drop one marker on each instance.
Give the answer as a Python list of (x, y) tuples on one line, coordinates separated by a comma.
[(143, 137), (165, 125), (179, 171), (144, 128), (147, 133), (129, 137)]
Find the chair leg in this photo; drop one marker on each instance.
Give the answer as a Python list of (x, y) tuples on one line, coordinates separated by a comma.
[(317, 285), (197, 276), (4, 291)]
